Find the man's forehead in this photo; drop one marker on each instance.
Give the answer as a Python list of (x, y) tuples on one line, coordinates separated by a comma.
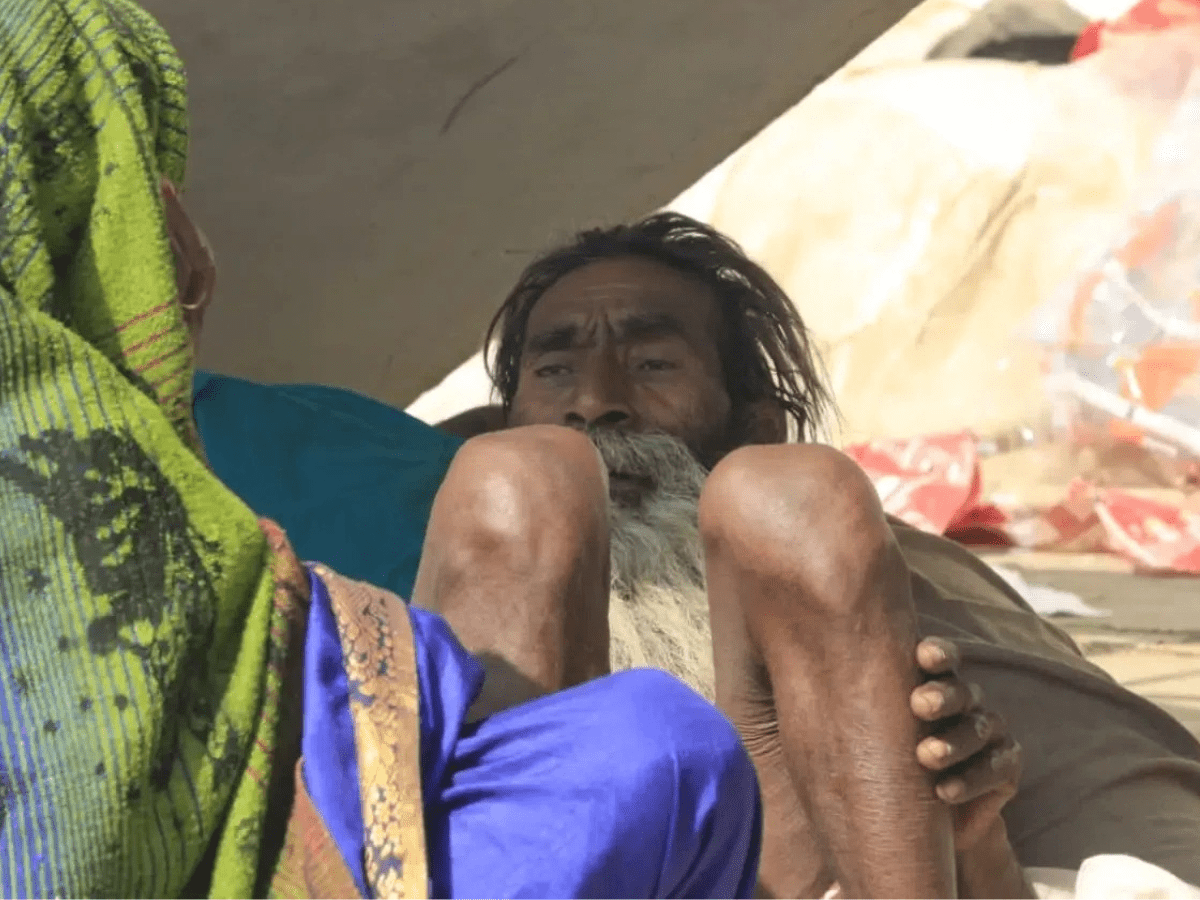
[(625, 288)]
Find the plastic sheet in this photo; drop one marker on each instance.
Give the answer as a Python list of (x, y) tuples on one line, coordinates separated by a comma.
[(1123, 336)]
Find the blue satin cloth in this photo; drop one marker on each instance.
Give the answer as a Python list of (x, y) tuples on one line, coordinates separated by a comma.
[(627, 786)]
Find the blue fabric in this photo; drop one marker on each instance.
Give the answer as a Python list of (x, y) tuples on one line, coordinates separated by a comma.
[(627, 786), (327, 739), (350, 480)]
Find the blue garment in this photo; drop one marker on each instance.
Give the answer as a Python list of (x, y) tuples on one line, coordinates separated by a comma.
[(628, 786), (350, 480)]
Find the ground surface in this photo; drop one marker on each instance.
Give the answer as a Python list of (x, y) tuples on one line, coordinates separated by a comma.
[(1151, 641)]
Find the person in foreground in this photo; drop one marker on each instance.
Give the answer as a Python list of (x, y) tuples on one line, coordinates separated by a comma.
[(685, 364), (186, 710)]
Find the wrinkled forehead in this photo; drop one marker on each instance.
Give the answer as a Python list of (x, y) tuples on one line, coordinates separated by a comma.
[(629, 295)]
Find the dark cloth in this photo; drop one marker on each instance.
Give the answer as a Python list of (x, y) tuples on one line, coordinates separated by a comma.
[(351, 480), (1106, 771)]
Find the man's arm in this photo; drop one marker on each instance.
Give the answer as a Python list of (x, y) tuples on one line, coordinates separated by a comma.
[(991, 869), (474, 422)]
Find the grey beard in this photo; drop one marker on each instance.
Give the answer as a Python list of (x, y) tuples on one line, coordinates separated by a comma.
[(658, 610)]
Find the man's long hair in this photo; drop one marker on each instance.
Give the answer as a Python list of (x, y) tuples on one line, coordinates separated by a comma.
[(766, 350)]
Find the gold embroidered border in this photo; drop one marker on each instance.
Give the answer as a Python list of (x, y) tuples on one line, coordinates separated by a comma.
[(380, 661)]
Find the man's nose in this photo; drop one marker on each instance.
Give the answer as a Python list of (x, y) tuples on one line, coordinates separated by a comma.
[(602, 400), (611, 418)]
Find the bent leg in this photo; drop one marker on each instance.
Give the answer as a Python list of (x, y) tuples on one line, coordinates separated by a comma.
[(516, 560), (814, 633), (627, 786)]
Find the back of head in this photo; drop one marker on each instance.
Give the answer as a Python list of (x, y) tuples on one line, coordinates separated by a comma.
[(94, 111), (767, 353)]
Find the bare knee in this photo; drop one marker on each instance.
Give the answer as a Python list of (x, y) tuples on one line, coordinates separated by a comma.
[(529, 495), (802, 497), (509, 471), (804, 512)]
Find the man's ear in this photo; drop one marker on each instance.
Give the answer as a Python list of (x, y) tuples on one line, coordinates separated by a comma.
[(477, 421), (763, 422)]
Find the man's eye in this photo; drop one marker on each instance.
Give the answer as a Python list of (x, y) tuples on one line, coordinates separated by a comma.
[(656, 365), (551, 370)]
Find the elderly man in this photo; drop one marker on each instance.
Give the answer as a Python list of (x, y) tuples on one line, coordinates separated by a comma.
[(686, 364)]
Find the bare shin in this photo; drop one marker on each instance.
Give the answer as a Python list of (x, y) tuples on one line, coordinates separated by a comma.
[(814, 632), (516, 561)]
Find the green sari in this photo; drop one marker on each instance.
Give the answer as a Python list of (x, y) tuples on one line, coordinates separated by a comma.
[(152, 631)]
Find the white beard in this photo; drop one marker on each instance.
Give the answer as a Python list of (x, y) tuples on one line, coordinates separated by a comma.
[(663, 628), (658, 608)]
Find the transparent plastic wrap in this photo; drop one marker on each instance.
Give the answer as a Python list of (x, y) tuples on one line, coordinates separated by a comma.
[(1123, 336)]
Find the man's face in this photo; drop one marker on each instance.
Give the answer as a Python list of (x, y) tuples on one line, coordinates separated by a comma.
[(632, 345)]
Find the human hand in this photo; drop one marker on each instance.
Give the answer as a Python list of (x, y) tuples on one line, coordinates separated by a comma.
[(976, 761), (977, 766)]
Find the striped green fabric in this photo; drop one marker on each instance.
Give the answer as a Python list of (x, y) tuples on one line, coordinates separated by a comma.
[(143, 646)]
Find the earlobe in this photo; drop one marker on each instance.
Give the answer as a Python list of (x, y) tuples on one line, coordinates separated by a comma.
[(195, 266)]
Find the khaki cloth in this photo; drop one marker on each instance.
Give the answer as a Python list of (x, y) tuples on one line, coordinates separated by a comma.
[(1105, 771)]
